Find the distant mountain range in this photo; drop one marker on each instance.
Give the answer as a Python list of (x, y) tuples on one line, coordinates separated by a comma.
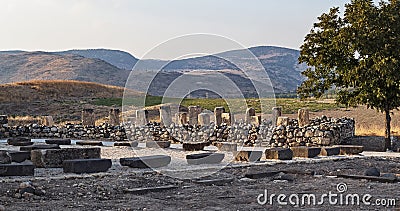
[(113, 67)]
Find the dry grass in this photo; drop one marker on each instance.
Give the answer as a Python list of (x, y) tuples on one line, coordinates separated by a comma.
[(29, 91), (23, 120)]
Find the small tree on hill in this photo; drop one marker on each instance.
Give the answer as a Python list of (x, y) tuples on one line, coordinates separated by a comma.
[(358, 54)]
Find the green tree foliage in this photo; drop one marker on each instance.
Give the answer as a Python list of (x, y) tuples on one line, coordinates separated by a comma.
[(358, 54)]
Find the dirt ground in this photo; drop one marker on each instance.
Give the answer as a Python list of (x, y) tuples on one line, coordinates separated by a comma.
[(105, 191)]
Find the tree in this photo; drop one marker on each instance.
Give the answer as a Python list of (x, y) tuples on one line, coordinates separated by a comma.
[(358, 54)]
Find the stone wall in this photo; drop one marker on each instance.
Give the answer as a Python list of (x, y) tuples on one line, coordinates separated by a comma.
[(74, 131), (321, 131)]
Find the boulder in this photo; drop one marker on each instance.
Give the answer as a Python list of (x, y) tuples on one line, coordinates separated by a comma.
[(80, 166), (226, 146), (248, 156), (329, 151), (19, 156), (153, 161), (194, 146), (350, 149), (58, 141), (205, 158), (19, 141), (4, 157), (158, 144), (17, 170), (279, 153), (54, 158), (39, 146), (305, 152), (373, 171), (89, 143)]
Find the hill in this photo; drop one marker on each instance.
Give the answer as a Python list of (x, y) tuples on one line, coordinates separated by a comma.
[(64, 100), (112, 67), (49, 66), (120, 59)]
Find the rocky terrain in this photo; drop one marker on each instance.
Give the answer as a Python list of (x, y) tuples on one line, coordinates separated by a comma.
[(129, 189)]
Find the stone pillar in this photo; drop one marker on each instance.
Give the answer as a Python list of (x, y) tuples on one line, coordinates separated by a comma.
[(47, 121), (141, 117), (218, 115), (303, 117), (276, 112), (165, 115), (227, 118), (182, 118), (282, 121), (255, 120), (204, 119), (114, 116), (194, 111), (88, 117), (3, 120), (249, 113)]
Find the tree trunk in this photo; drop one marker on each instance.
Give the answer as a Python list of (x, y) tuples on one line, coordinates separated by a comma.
[(387, 129)]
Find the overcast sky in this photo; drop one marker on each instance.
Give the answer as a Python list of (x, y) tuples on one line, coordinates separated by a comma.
[(138, 26)]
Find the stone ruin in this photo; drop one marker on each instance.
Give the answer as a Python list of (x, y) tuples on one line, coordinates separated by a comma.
[(197, 126)]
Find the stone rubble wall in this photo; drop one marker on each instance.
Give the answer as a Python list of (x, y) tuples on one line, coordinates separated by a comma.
[(321, 131)]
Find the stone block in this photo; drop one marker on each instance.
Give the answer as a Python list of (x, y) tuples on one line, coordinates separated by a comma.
[(39, 146), (305, 152), (89, 143), (19, 141), (370, 143), (194, 111), (303, 117), (227, 118), (350, 149), (284, 121), (249, 113), (165, 115), (194, 146), (141, 117), (255, 120), (276, 112), (5, 158), (205, 158), (204, 119), (54, 158), (279, 153), (58, 141), (122, 144), (153, 161), (226, 146), (88, 117), (158, 144), (114, 116), (17, 170), (329, 151), (134, 143), (3, 119), (249, 156), (19, 156), (80, 166), (182, 118), (218, 115)]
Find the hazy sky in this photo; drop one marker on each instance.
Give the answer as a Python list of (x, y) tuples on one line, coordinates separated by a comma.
[(138, 26)]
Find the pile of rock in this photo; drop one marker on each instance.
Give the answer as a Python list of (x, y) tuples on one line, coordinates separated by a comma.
[(76, 131), (321, 131)]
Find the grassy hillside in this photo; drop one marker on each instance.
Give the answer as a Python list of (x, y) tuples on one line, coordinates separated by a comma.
[(64, 100)]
